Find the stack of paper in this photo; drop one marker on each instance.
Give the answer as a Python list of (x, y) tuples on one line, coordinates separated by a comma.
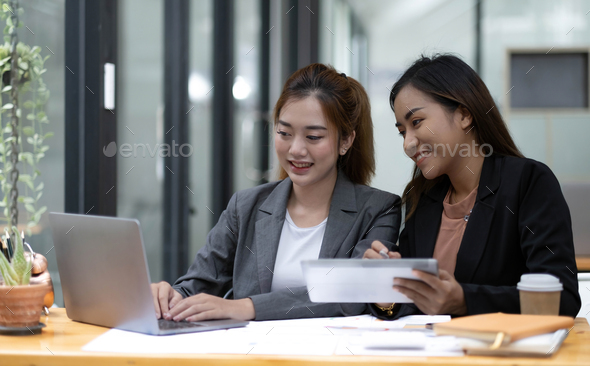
[(540, 346), (363, 334)]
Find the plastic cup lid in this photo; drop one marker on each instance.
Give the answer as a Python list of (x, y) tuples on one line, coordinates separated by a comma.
[(539, 283)]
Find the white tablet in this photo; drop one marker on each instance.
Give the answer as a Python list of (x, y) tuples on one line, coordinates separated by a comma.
[(361, 280)]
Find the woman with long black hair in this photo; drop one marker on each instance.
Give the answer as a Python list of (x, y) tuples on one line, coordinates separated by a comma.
[(485, 212)]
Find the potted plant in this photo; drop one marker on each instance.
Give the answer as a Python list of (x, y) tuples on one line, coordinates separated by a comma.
[(20, 303), (22, 140), (22, 94)]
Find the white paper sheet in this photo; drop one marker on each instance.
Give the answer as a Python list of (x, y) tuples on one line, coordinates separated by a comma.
[(424, 319), (398, 343)]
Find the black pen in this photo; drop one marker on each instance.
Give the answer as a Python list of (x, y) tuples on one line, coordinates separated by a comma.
[(9, 247)]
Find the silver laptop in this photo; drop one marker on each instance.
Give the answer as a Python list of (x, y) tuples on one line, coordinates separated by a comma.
[(105, 279)]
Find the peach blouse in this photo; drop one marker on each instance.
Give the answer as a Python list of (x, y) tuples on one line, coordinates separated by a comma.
[(452, 227)]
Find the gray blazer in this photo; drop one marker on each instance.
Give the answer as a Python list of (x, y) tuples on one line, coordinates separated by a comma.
[(241, 249)]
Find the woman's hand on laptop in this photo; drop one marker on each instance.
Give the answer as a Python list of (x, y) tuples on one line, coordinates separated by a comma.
[(377, 248), (208, 307), (164, 298)]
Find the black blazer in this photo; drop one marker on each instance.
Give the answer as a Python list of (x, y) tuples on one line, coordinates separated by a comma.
[(520, 224)]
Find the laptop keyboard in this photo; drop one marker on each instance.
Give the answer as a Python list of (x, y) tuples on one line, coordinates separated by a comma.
[(164, 324)]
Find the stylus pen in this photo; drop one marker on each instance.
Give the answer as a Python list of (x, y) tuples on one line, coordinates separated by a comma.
[(383, 253)]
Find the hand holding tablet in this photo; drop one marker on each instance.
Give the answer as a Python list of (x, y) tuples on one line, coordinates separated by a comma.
[(361, 281)]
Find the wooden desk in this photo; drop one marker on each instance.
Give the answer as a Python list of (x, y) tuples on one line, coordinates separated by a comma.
[(583, 263), (61, 341)]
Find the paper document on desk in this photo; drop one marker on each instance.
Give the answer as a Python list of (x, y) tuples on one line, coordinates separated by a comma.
[(305, 340), (399, 343), (424, 319), (312, 336), (222, 342)]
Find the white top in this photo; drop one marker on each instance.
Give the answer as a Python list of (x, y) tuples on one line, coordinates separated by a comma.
[(296, 244)]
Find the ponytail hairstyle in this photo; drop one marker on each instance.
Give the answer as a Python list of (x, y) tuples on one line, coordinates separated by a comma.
[(345, 104), (452, 83)]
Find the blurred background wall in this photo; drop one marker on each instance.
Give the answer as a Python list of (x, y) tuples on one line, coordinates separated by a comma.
[(232, 59)]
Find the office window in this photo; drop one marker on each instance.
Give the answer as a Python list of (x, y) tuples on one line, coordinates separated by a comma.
[(554, 80), (200, 90), (140, 173)]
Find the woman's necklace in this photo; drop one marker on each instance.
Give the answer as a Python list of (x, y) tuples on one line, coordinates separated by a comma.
[(466, 217)]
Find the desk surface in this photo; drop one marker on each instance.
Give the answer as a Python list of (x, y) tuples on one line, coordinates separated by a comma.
[(62, 340), (583, 263)]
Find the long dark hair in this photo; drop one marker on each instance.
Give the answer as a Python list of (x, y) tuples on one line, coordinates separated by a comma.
[(452, 83), (345, 104)]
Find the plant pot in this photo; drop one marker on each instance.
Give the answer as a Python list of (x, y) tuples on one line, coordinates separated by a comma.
[(20, 306)]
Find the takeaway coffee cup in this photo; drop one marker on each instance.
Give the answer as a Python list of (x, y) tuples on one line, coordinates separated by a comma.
[(539, 294)]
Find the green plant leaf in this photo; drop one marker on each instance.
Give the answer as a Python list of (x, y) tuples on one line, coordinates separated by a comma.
[(27, 180), (41, 211), (30, 208), (8, 273), (26, 156), (24, 178), (7, 106), (7, 87), (20, 264), (28, 130), (40, 187)]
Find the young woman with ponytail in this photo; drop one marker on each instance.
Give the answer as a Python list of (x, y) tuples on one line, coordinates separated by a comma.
[(320, 208), (485, 212)]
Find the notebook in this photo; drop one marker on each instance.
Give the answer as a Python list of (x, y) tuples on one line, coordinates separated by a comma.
[(543, 345), (500, 329)]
